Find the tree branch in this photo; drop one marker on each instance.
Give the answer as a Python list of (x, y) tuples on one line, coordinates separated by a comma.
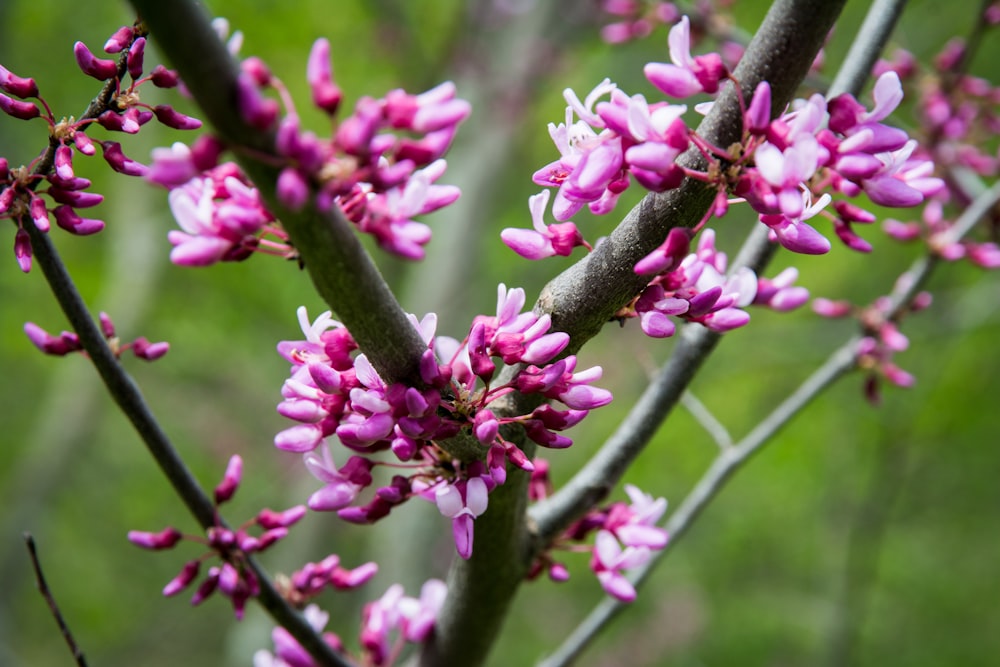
[(605, 469), (781, 52), (43, 588)]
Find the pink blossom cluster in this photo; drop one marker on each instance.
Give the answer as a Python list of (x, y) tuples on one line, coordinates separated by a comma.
[(635, 19), (330, 392), (625, 537), (959, 117), (379, 167), (21, 198), (696, 288), (288, 652), (782, 168), (388, 623), (222, 218), (67, 341), (234, 578), (882, 338), (785, 169)]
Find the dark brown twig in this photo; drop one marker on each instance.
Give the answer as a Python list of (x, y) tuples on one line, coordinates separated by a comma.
[(43, 588)]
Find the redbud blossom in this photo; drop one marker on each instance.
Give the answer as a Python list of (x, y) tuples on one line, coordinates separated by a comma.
[(687, 75), (230, 480), (16, 85), (165, 539), (119, 40), (91, 65)]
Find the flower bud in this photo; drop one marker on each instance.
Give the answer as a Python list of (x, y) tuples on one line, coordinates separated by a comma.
[(100, 69)]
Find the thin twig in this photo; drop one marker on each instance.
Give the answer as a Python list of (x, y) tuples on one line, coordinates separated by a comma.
[(129, 399), (43, 588), (724, 465), (867, 47), (716, 429)]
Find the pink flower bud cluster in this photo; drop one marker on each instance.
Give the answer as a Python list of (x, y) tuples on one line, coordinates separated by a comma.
[(635, 19), (331, 392), (222, 218), (395, 618), (20, 196), (783, 167), (379, 167), (625, 537), (388, 623), (695, 288), (936, 231), (313, 578), (882, 338), (288, 652), (822, 146), (234, 578), (67, 341)]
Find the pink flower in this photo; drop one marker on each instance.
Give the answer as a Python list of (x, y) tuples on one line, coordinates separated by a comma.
[(543, 241), (220, 217), (610, 560), (462, 502), (687, 75)]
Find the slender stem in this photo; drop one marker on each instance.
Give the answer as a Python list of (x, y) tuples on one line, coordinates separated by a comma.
[(43, 588), (725, 464), (864, 542), (120, 385), (715, 429)]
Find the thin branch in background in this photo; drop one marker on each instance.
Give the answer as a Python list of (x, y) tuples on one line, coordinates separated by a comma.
[(867, 534), (43, 588), (867, 47), (707, 420), (712, 481)]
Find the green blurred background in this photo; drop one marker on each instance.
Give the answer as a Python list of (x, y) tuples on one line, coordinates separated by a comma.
[(860, 536)]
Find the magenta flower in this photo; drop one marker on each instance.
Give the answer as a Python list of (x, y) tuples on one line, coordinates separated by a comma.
[(543, 241), (462, 502), (341, 486), (288, 652), (610, 560), (780, 293), (687, 75), (902, 181), (413, 619)]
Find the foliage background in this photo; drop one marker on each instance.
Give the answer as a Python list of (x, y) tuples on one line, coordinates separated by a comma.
[(860, 536)]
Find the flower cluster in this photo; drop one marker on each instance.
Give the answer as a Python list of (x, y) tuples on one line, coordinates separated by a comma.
[(635, 19), (67, 341), (118, 109), (288, 652), (387, 624), (379, 167), (785, 169), (330, 392), (234, 577), (959, 118), (625, 537), (882, 338)]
